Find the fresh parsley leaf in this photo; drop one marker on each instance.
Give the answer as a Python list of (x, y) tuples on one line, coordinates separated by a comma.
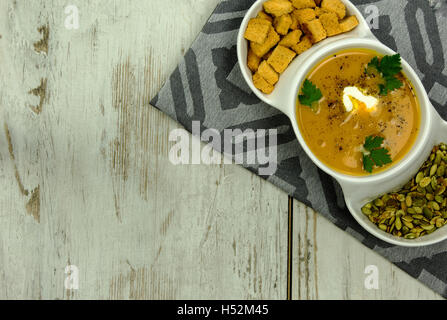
[(388, 67), (310, 94), (391, 83), (368, 164), (373, 142), (381, 157), (374, 154), (374, 63)]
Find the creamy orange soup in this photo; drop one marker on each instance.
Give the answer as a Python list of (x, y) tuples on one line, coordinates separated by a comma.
[(335, 136)]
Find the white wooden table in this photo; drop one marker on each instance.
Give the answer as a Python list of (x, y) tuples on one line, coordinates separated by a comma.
[(85, 178)]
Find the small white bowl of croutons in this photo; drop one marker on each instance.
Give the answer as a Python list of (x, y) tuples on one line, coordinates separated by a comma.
[(277, 36)]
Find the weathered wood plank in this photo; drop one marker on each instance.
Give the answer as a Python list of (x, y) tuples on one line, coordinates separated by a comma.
[(85, 174), (330, 264)]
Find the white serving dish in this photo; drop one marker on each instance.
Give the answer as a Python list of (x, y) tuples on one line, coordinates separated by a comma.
[(357, 190)]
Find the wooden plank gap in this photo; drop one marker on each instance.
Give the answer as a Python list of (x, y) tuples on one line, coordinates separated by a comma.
[(290, 250)]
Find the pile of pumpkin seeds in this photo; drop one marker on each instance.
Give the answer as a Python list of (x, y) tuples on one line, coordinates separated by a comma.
[(420, 207)]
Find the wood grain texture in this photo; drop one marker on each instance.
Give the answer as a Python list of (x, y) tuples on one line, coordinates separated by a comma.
[(85, 174), (330, 264)]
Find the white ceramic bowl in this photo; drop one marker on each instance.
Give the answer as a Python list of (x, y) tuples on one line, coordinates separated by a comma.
[(357, 190)]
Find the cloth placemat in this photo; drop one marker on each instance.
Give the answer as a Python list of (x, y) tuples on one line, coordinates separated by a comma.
[(208, 86)]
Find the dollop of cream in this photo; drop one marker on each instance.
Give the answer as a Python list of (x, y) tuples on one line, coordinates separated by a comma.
[(352, 96)]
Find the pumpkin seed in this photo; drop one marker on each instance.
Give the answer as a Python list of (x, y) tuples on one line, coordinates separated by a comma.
[(419, 177), (441, 171), (427, 213), (433, 170), (425, 182), (418, 210), (398, 223), (408, 201)]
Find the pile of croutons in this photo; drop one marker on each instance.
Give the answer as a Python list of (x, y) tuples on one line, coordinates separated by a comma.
[(287, 28)]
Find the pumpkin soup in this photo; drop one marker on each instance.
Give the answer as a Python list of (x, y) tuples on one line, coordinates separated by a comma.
[(357, 112)]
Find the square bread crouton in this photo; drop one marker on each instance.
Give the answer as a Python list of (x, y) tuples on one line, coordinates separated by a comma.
[(295, 24), (263, 15), (253, 61), (278, 8), (281, 58), (304, 15), (315, 30), (319, 11), (349, 23), (261, 49), (267, 55), (303, 4), (262, 84), (303, 45), (336, 6), (282, 24), (291, 39), (330, 24), (267, 72), (257, 30)]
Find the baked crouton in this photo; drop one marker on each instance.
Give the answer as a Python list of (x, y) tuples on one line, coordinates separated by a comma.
[(315, 30), (261, 49), (281, 58), (295, 24), (282, 24), (330, 24), (260, 83), (267, 72), (267, 55), (319, 11), (336, 6), (278, 8), (303, 45), (257, 30), (291, 39), (263, 15), (304, 15), (253, 61), (349, 23), (303, 4)]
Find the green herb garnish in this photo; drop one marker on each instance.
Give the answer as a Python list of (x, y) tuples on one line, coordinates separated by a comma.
[(374, 154), (391, 84), (388, 67), (310, 94)]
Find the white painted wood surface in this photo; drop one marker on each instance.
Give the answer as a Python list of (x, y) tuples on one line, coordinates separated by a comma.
[(85, 178), (330, 264)]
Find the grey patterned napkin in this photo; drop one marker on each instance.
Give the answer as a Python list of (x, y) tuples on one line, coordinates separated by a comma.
[(208, 86)]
